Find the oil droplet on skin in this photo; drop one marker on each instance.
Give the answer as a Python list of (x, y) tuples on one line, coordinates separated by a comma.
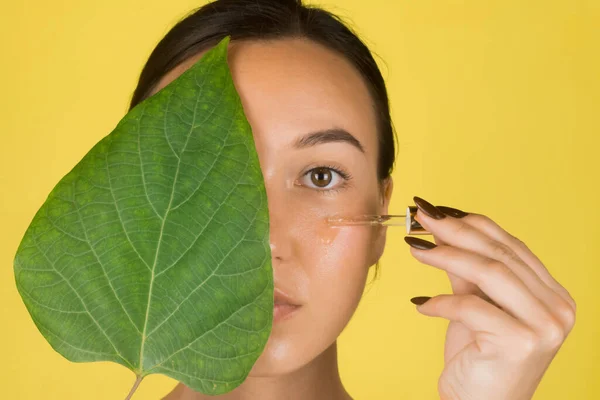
[(327, 233), (326, 240)]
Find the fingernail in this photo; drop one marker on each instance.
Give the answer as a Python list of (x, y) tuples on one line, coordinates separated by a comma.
[(419, 300), (428, 208), (419, 243), (453, 212)]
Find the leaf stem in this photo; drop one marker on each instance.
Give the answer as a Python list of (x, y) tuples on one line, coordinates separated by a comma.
[(135, 386)]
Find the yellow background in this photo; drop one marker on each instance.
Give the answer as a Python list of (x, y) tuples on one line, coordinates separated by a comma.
[(496, 105)]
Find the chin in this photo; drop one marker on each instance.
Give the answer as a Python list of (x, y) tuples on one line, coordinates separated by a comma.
[(278, 358)]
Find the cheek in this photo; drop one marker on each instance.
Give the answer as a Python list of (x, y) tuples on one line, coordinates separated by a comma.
[(341, 249), (337, 276), (339, 262), (337, 271), (336, 258)]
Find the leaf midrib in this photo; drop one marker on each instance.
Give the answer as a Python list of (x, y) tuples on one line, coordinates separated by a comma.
[(164, 219)]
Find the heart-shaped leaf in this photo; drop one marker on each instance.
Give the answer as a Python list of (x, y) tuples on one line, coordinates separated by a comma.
[(153, 251)]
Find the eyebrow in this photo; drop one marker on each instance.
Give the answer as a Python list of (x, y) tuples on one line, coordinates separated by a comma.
[(328, 136)]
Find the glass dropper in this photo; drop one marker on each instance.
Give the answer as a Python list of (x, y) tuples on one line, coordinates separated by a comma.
[(408, 220)]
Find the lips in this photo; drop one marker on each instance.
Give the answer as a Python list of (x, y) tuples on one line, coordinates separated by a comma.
[(284, 306), (282, 298)]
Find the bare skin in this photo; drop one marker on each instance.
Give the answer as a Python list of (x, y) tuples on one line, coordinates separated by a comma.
[(290, 88)]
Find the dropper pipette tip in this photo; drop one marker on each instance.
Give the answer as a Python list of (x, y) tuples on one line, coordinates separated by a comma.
[(386, 220), (413, 227)]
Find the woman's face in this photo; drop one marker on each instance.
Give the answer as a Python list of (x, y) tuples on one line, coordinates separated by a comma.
[(291, 89)]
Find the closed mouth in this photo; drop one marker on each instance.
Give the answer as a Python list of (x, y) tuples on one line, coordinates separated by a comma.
[(283, 299)]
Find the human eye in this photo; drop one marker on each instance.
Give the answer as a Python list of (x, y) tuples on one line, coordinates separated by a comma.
[(326, 179)]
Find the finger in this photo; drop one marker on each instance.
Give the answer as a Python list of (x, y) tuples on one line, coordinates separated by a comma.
[(459, 285), (475, 313), (458, 233), (494, 278), (496, 232)]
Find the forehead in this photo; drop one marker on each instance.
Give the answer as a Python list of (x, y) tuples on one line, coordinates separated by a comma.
[(289, 87)]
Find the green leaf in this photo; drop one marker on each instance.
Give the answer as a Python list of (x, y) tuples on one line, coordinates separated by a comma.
[(153, 251)]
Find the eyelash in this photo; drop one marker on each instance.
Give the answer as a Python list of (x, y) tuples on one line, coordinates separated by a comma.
[(346, 176)]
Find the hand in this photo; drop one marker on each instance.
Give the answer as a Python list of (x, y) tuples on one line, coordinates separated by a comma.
[(508, 315)]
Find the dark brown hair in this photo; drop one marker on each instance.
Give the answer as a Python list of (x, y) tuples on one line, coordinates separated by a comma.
[(206, 26)]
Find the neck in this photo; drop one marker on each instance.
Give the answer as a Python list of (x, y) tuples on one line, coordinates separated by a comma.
[(318, 380)]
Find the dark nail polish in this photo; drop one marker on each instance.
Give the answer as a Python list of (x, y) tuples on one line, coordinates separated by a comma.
[(453, 212), (428, 208), (419, 300), (419, 243)]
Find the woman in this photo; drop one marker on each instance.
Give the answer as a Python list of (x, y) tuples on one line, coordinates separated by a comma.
[(318, 108)]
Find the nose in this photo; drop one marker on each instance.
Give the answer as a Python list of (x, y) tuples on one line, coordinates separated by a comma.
[(280, 226)]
